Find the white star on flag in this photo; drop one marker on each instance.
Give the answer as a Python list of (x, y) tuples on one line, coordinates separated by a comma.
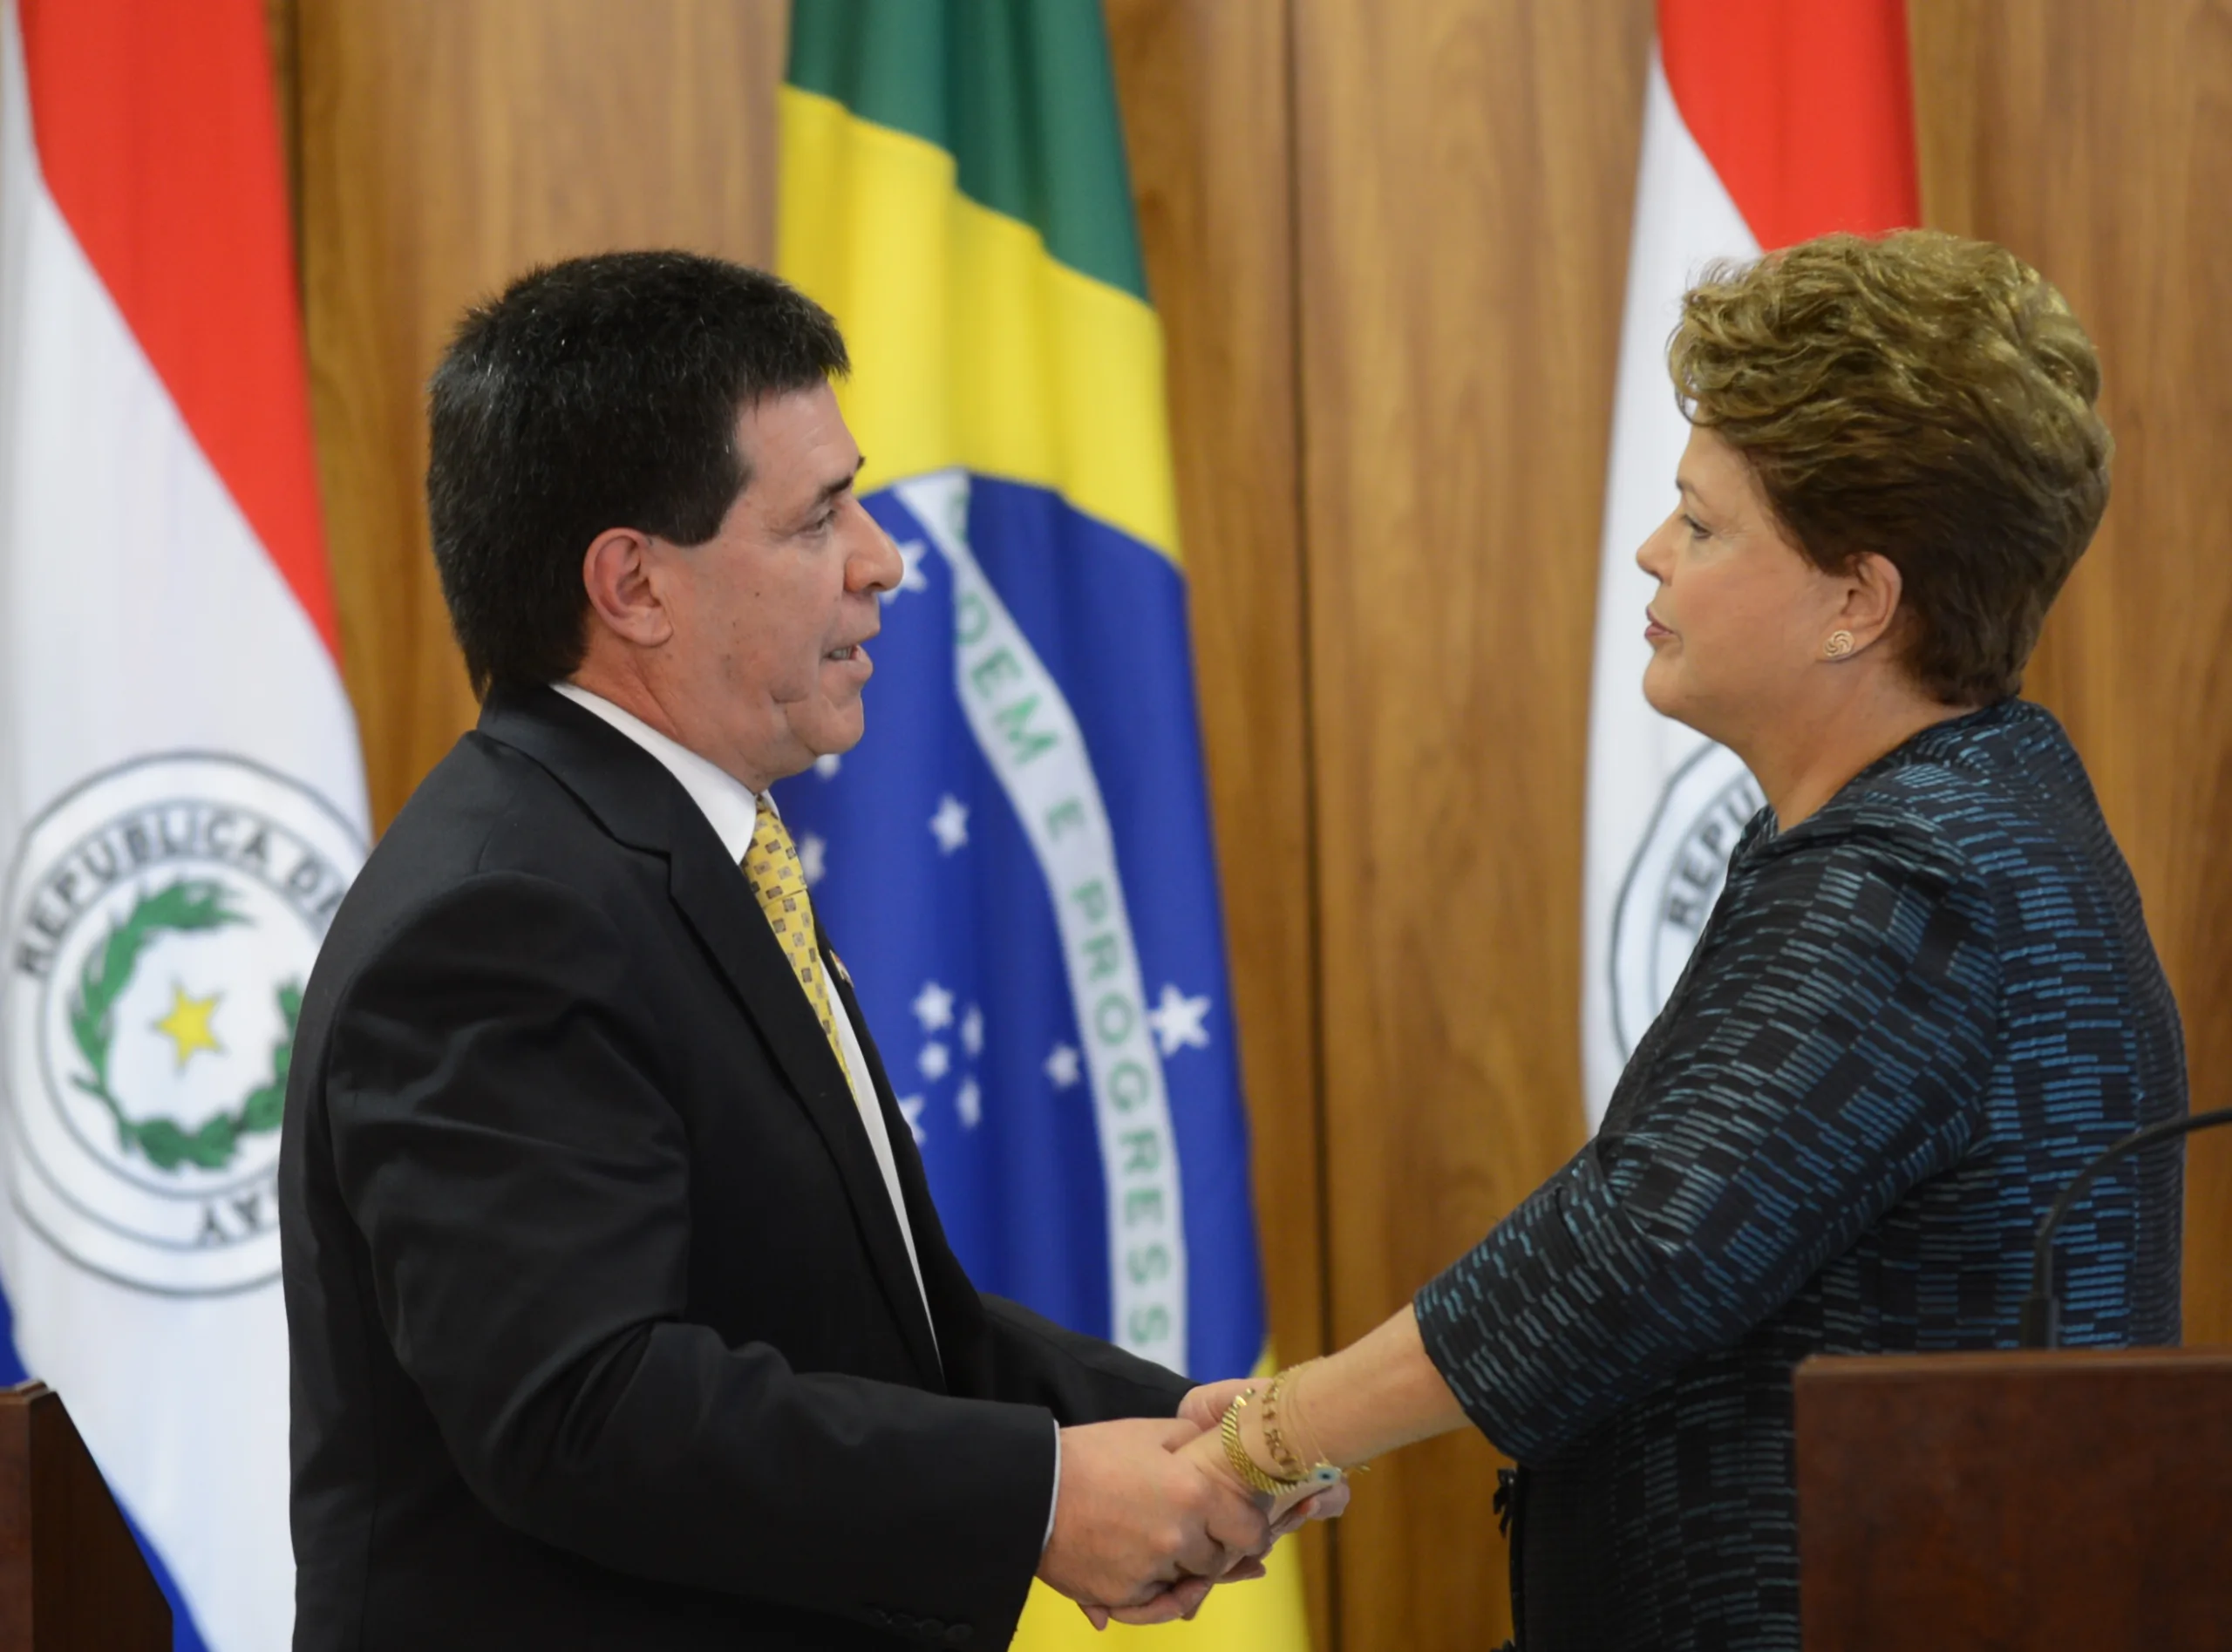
[(968, 1102), (827, 765), (933, 1061), (911, 553), (951, 824), (813, 853), (972, 1030), (1177, 1020), (1062, 1066), (932, 1007), (911, 1107)]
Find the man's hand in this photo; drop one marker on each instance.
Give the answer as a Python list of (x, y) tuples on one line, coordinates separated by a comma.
[(1140, 1528), (1206, 1452)]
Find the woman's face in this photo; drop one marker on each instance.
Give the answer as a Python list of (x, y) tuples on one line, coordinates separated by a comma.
[(1740, 617)]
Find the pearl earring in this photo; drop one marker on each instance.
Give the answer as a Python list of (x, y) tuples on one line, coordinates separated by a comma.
[(1839, 645)]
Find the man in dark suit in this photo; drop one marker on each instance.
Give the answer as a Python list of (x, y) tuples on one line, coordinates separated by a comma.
[(619, 1311)]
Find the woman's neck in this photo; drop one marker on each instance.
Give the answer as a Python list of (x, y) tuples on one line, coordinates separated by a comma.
[(1804, 760)]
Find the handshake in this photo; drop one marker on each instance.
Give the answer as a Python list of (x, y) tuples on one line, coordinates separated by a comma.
[(1150, 1514)]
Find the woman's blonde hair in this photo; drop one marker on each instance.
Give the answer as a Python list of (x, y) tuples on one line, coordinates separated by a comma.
[(1920, 396)]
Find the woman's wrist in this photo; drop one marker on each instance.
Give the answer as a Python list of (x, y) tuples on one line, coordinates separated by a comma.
[(1277, 1428), (1267, 1443), (1338, 1412), (1240, 1434), (1379, 1393), (1296, 1416)]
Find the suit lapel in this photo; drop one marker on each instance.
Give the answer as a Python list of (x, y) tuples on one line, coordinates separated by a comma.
[(944, 1281), (636, 799), (714, 898)]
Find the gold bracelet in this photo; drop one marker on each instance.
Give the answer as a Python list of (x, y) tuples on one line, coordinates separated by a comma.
[(1236, 1454), (1274, 1442), (1297, 1426)]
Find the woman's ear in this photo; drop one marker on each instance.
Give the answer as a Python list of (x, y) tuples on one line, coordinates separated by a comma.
[(1871, 604), (624, 598)]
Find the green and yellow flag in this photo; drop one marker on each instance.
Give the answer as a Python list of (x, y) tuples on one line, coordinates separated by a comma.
[(1017, 856)]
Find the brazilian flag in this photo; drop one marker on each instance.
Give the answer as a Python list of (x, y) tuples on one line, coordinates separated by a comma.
[(1016, 859)]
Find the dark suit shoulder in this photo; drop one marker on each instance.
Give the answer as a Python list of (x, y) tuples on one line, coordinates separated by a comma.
[(485, 810), (488, 806)]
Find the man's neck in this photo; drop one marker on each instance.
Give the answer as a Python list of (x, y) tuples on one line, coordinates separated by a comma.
[(634, 691)]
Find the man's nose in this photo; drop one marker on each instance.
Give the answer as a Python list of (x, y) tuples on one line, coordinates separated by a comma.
[(877, 566)]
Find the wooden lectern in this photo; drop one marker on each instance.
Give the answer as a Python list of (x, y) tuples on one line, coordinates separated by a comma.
[(2077, 1498), (71, 1579)]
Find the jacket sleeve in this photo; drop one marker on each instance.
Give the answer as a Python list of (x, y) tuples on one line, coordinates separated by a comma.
[(994, 1349), (501, 1142), (1031, 1360), (1827, 1050)]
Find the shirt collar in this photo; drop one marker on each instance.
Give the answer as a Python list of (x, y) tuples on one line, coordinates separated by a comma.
[(729, 805)]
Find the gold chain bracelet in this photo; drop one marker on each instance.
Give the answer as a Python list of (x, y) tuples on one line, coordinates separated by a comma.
[(1274, 1440), (1236, 1454)]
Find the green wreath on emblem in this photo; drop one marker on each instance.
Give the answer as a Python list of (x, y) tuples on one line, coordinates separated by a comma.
[(187, 907)]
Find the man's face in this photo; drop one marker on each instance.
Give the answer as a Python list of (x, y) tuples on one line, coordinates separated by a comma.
[(766, 663)]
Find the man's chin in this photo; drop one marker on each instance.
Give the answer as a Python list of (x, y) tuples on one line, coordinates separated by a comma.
[(836, 735)]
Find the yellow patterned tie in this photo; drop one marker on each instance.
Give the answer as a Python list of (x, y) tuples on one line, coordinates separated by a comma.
[(778, 881)]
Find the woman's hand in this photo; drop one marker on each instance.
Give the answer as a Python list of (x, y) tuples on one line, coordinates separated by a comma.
[(1328, 1505), (1205, 1408)]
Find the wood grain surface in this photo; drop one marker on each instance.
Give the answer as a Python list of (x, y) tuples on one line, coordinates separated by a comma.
[(1205, 100), (71, 1578), (1466, 178), (1962, 1503), (446, 146)]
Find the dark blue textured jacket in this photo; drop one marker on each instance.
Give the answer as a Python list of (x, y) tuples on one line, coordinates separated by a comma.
[(1909, 1023)]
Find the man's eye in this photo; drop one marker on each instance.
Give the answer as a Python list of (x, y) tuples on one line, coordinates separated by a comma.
[(1697, 528)]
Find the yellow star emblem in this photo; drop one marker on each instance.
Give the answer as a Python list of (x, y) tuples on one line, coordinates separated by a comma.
[(188, 1025)]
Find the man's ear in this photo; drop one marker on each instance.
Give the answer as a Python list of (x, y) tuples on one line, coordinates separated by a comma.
[(1872, 593), (623, 597)]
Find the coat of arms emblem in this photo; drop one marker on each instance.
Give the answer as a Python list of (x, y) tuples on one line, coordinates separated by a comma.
[(161, 919)]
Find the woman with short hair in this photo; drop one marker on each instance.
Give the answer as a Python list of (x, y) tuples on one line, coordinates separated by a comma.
[(1925, 999)]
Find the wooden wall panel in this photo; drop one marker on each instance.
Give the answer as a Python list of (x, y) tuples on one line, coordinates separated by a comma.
[(1466, 172), (446, 146), (2096, 142), (1204, 92)]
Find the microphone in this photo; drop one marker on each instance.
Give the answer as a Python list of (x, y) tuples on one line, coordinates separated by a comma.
[(2041, 1310)]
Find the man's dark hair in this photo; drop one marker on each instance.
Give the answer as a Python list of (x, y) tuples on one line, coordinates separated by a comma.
[(597, 394)]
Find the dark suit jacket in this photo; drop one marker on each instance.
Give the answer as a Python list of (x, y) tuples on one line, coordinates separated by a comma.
[(603, 1329)]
